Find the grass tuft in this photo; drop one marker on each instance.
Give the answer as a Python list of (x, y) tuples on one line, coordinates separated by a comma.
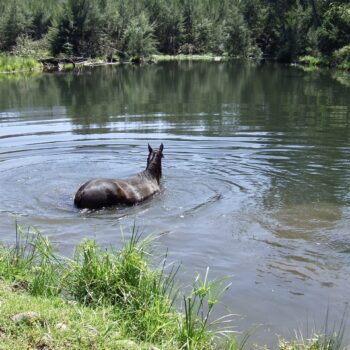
[(32, 262), (198, 307), (9, 63), (327, 339)]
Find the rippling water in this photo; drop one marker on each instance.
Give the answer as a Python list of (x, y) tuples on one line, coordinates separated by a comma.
[(256, 174)]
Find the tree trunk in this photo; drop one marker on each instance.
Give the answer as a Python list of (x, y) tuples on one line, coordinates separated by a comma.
[(316, 17)]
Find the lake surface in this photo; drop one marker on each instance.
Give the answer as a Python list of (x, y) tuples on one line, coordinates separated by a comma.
[(256, 175)]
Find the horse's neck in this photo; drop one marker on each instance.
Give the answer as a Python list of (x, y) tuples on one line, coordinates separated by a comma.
[(155, 170)]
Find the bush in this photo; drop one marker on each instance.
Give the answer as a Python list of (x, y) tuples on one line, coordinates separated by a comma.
[(335, 30), (341, 57), (311, 61), (26, 47)]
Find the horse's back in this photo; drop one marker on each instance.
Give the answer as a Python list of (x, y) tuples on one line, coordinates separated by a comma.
[(98, 193)]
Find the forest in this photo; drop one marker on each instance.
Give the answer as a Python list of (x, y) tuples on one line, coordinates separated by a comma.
[(282, 30)]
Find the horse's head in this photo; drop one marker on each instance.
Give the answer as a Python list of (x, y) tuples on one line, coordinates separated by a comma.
[(154, 160), (154, 155)]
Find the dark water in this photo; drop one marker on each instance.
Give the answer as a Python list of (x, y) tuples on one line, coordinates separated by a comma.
[(256, 175)]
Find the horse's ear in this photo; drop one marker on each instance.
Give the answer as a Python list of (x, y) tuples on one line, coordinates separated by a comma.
[(161, 147), (150, 148)]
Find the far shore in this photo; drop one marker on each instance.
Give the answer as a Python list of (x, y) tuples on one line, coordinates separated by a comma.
[(14, 64)]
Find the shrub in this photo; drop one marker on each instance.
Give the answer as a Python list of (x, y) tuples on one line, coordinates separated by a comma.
[(26, 47), (342, 57)]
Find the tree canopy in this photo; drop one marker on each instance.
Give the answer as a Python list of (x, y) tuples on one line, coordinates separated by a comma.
[(279, 29)]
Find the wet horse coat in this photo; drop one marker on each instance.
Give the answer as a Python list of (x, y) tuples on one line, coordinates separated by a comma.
[(98, 193)]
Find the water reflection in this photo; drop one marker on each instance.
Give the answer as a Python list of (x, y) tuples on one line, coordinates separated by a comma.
[(256, 171), (199, 94)]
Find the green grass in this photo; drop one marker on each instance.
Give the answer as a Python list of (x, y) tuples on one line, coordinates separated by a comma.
[(316, 342), (14, 63), (57, 324), (130, 299), (330, 338)]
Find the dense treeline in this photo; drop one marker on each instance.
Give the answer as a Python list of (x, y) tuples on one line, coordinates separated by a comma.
[(279, 29)]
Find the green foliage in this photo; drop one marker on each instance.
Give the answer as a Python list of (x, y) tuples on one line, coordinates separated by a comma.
[(198, 307), (339, 59), (139, 37), (168, 24), (56, 324), (41, 18), (123, 279), (139, 299), (335, 30), (293, 39), (103, 298), (327, 339), (237, 40), (111, 30), (27, 47), (311, 61), (282, 30), (14, 63), (342, 57), (76, 29), (31, 261), (316, 342), (14, 21)]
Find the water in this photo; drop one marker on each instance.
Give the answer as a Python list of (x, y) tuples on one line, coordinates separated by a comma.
[(256, 175)]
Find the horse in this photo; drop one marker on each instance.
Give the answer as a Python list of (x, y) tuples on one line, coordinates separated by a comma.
[(101, 192)]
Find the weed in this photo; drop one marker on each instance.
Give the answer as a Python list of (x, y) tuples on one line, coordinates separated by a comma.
[(326, 339)]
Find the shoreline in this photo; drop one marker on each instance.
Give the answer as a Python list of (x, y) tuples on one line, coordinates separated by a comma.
[(114, 299), (308, 62), (99, 299), (64, 65)]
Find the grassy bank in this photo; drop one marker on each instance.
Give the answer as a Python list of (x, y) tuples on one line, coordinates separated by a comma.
[(111, 299), (99, 299), (16, 64)]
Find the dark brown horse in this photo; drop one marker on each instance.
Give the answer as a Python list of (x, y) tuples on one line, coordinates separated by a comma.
[(98, 193)]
